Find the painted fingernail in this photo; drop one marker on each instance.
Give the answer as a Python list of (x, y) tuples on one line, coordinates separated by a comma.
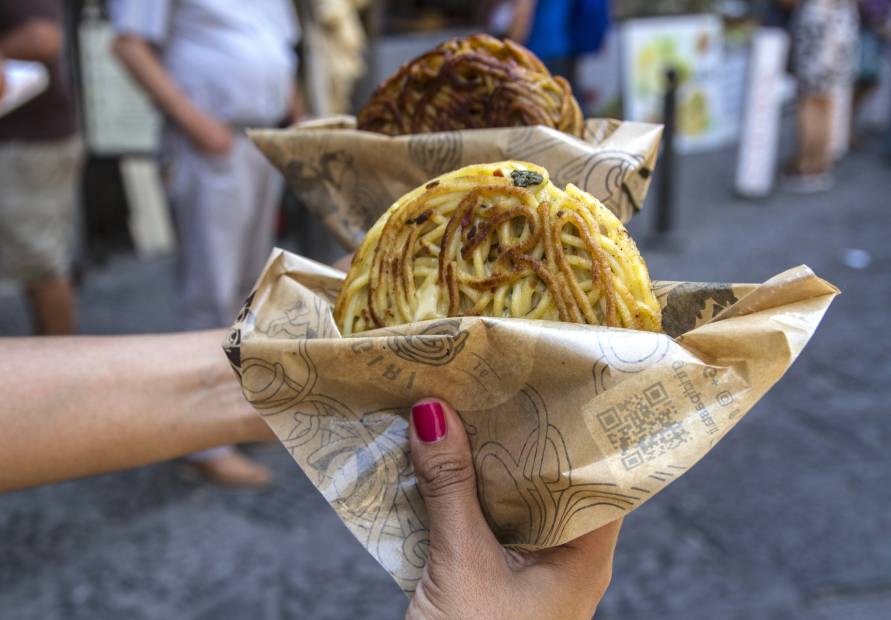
[(429, 420)]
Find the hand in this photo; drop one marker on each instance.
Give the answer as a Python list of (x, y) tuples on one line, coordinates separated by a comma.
[(209, 135), (468, 574)]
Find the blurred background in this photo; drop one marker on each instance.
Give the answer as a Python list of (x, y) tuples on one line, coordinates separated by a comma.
[(777, 153)]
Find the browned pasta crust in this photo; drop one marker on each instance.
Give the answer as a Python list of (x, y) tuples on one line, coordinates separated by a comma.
[(497, 240), (471, 83)]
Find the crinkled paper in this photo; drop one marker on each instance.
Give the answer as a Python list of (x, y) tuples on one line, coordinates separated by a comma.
[(571, 426), (348, 178)]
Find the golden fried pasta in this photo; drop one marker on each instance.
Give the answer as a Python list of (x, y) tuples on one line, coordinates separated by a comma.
[(497, 240), (471, 83)]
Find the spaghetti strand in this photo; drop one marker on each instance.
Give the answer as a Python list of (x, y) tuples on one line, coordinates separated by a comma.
[(497, 240)]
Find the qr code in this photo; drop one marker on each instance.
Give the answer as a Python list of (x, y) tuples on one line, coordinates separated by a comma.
[(644, 426)]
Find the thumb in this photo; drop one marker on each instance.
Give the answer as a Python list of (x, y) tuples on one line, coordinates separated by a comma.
[(440, 453)]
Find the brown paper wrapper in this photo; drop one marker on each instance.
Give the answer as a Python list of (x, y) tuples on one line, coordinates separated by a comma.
[(348, 178), (571, 426)]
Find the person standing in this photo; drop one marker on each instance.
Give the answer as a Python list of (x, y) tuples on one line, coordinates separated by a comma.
[(873, 34), (824, 53), (40, 163), (557, 31), (543, 27), (214, 68)]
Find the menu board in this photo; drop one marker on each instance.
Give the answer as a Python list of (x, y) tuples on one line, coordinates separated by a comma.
[(767, 84), (692, 45), (119, 117)]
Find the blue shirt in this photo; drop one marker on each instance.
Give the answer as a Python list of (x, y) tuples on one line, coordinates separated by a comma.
[(549, 35)]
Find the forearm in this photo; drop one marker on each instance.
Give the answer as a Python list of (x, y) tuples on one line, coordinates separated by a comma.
[(36, 39), (298, 104), (144, 66), (74, 407), (524, 11)]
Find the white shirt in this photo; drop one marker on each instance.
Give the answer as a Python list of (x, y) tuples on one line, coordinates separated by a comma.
[(233, 58)]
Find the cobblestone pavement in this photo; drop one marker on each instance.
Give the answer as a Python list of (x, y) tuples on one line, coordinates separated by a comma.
[(788, 518)]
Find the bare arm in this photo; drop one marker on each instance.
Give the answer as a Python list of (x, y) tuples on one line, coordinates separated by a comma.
[(524, 11), (143, 64), (79, 406), (344, 262), (297, 108), (37, 39)]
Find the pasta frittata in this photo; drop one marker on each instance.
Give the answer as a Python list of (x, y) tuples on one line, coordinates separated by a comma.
[(497, 240), (471, 83)]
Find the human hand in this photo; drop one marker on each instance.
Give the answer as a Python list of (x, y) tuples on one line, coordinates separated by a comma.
[(468, 573), (209, 135)]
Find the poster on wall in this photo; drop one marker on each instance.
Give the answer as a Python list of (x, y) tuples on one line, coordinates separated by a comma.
[(693, 46)]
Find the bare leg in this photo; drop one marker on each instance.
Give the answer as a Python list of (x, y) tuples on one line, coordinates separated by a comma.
[(228, 466), (814, 122), (52, 306)]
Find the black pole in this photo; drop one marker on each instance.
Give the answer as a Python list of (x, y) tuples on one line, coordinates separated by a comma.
[(665, 195)]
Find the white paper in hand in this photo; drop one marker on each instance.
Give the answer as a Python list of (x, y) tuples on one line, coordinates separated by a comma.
[(25, 80)]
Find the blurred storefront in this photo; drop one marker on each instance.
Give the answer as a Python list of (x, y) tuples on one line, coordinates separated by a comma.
[(718, 49)]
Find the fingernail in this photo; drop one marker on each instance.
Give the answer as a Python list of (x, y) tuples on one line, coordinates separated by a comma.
[(429, 420)]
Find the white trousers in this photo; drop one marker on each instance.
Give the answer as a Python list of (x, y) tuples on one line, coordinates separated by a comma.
[(224, 208)]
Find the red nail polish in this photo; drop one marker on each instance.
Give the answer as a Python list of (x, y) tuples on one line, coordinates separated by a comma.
[(429, 420)]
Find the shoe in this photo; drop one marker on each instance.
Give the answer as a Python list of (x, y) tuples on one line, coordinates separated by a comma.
[(808, 183), (233, 469)]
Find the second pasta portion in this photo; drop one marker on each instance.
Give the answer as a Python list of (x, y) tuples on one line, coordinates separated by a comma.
[(497, 240), (472, 83)]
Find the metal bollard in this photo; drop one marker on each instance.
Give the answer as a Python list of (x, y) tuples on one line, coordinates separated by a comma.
[(665, 194)]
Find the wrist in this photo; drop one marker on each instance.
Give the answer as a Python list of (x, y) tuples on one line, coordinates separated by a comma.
[(191, 119), (244, 424), (220, 392)]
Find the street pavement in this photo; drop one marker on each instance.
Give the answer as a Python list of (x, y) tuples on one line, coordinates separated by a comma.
[(788, 517)]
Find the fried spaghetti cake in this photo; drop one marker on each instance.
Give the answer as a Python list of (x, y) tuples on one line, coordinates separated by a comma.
[(471, 83), (497, 240)]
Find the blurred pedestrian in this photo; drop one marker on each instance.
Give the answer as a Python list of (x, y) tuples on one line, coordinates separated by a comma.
[(557, 31), (214, 68), (40, 161), (871, 47), (824, 48), (543, 27)]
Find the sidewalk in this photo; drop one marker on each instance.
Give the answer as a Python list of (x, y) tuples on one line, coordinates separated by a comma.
[(788, 518)]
